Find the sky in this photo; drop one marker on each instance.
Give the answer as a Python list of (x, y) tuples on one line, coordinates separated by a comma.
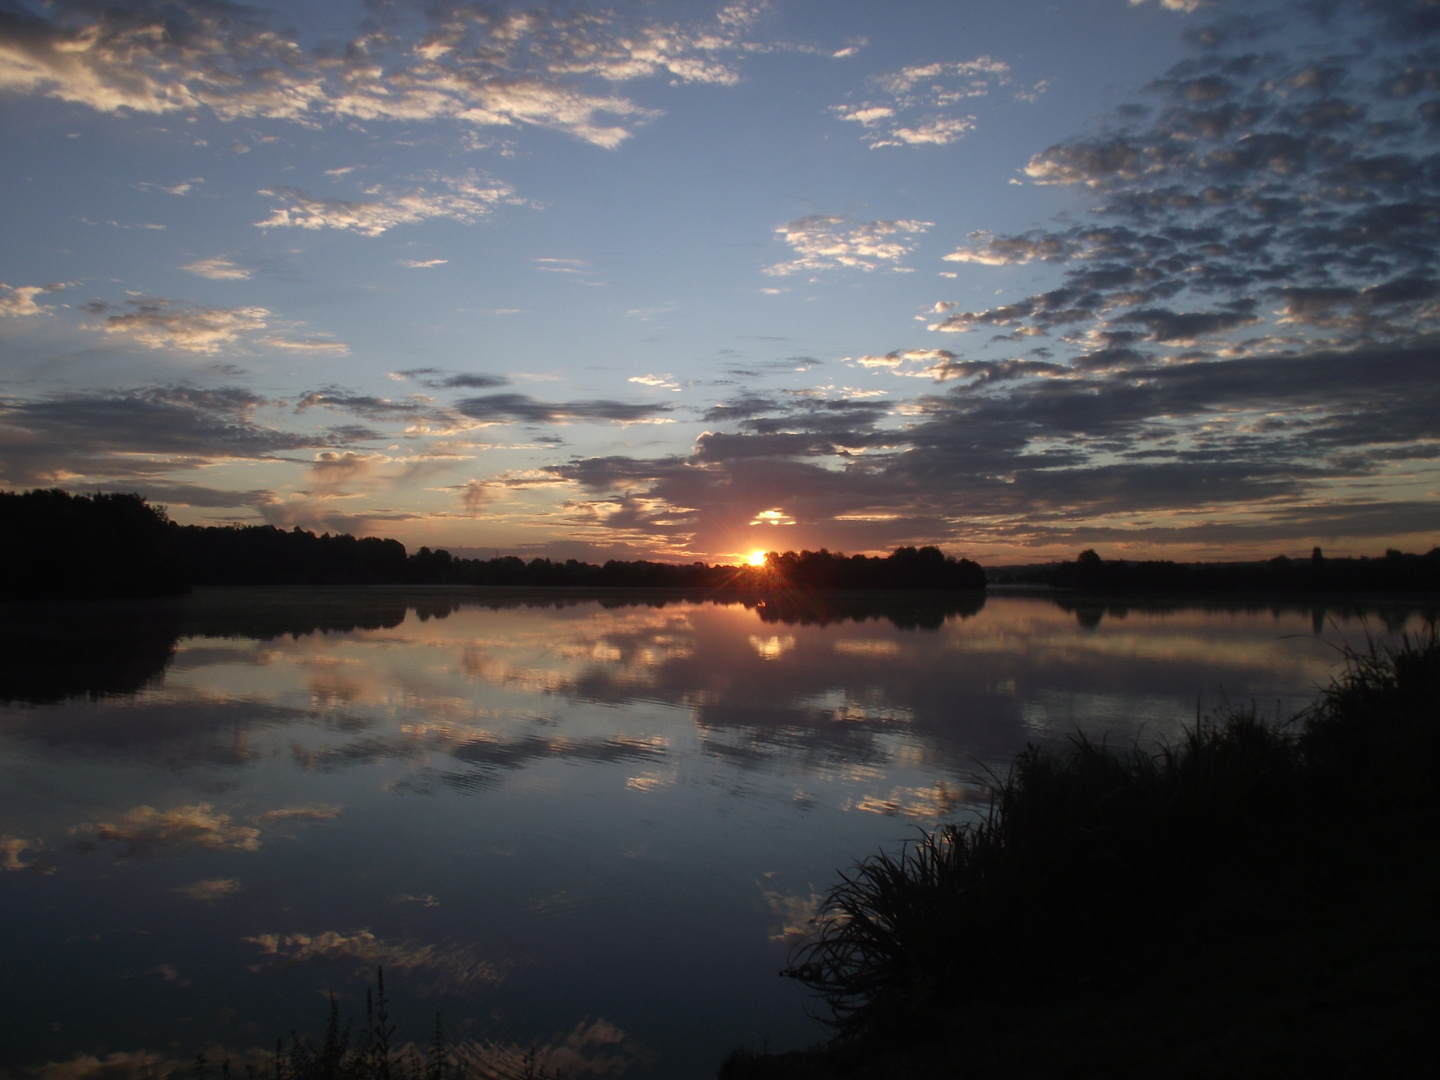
[(686, 280)]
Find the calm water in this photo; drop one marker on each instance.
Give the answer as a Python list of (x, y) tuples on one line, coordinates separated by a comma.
[(588, 826)]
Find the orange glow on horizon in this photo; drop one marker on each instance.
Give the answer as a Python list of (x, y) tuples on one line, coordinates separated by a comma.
[(757, 558)]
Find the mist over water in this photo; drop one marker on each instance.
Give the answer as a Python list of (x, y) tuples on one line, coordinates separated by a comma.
[(591, 825)]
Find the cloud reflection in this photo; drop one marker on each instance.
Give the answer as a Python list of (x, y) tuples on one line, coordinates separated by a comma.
[(12, 850), (796, 913), (471, 692), (116, 1065), (211, 889), (144, 831), (445, 968)]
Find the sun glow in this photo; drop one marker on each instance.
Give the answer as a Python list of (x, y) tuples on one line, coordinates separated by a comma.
[(757, 558)]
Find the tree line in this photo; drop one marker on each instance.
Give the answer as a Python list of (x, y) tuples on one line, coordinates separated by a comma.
[(1396, 572), (56, 545)]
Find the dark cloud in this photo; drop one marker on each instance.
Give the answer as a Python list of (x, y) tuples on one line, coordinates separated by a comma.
[(744, 406), (363, 405), (522, 407), (435, 379), (1242, 336), (1032, 457), (137, 433), (473, 382), (1260, 172), (182, 494)]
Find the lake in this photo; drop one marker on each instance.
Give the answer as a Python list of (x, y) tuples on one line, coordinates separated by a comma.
[(587, 825)]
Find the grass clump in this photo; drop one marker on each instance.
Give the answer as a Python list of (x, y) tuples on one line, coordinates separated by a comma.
[(1127, 876), (371, 1053), (1028, 897)]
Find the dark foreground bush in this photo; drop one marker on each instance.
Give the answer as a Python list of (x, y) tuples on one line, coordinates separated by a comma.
[(1090, 861)]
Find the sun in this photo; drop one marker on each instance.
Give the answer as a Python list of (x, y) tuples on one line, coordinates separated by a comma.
[(757, 558)]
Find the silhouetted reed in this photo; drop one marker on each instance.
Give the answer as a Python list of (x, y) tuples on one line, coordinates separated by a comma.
[(1079, 848), (372, 1053)]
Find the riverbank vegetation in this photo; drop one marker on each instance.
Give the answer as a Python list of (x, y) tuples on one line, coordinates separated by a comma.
[(1398, 571), (54, 545), (1257, 900)]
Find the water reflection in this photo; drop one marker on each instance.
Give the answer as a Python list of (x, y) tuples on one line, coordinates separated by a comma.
[(1391, 618), (81, 650), (555, 817)]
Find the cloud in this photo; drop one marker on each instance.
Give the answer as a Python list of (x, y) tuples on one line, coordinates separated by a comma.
[(466, 200), (182, 188), (1029, 452), (469, 64), (333, 471), (917, 362), (435, 379), (423, 264), (364, 405), (475, 496), (1186, 6), (663, 382), (935, 132), (160, 323), (313, 346), (146, 434), (19, 301), (501, 408), (916, 105), (989, 250), (824, 242), (219, 269), (1272, 193)]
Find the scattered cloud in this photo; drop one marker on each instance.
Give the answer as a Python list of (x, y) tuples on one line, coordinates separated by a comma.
[(1269, 193), (335, 471), (141, 434), (917, 105), (505, 408), (313, 346), (435, 379), (219, 269), (827, 242), (463, 199), (475, 496), (423, 264), (19, 301), (469, 65), (1186, 6), (182, 188), (922, 363), (160, 323), (662, 382)]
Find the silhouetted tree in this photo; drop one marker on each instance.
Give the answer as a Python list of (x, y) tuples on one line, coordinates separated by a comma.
[(55, 545)]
